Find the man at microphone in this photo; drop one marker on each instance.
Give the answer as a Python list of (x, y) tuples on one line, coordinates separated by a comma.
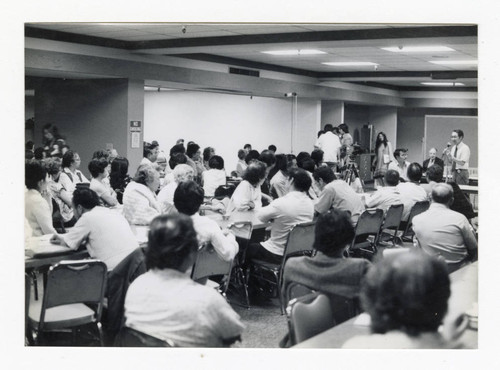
[(432, 160), (459, 156)]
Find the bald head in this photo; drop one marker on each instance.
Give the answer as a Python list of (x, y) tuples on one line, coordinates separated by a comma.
[(443, 194)]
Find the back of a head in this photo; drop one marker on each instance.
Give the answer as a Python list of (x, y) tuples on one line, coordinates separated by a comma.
[(301, 180), (267, 157), (251, 156), (100, 154), (317, 156), (435, 173), (119, 166), (344, 127), (181, 171), (85, 197), (38, 153), (52, 165), (171, 240), (178, 148), (34, 172), (301, 157), (414, 172), (145, 174), (216, 162), (188, 197), (333, 232), (241, 154), (392, 177), (324, 173), (407, 292), (208, 153), (272, 148), (67, 158), (148, 149), (442, 193), (177, 158), (328, 127), (309, 165), (97, 166), (192, 149), (255, 172)]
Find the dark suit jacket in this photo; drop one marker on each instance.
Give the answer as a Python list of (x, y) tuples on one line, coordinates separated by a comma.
[(437, 161)]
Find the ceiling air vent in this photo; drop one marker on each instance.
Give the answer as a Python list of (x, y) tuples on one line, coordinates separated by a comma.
[(244, 72)]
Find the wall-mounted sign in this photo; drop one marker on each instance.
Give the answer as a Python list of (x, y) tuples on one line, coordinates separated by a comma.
[(135, 134), (135, 126)]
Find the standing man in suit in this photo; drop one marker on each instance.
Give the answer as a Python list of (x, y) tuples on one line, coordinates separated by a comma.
[(432, 160), (459, 156)]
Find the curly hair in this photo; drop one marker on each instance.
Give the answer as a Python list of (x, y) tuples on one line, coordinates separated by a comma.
[(333, 231), (255, 172), (52, 165), (171, 240), (407, 292), (145, 174), (97, 166)]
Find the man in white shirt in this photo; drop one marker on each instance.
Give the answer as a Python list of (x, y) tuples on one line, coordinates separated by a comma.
[(294, 208), (188, 198), (150, 153), (459, 156), (329, 143), (336, 194), (411, 192), (107, 233), (443, 232), (385, 196), (401, 164)]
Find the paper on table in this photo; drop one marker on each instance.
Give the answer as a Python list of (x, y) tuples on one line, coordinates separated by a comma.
[(363, 320), (41, 245)]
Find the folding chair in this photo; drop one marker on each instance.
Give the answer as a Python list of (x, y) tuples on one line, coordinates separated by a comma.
[(208, 264), (128, 337), (300, 242), (295, 290), (243, 232), (71, 287), (369, 224), (417, 209), (309, 316), (392, 220)]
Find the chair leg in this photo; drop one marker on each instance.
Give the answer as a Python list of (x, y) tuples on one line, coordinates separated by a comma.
[(101, 336), (35, 284)]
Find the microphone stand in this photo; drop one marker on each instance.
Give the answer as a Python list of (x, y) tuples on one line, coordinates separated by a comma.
[(446, 162)]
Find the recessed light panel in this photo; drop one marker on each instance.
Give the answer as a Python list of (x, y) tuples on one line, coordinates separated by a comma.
[(442, 83), (351, 64), (294, 52), (418, 49), (454, 62)]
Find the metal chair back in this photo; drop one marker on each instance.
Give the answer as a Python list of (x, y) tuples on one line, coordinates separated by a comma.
[(208, 263)]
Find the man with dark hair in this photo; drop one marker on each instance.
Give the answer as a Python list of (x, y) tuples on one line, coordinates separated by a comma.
[(401, 164), (107, 233), (386, 196), (188, 198), (278, 183), (247, 148), (293, 208), (150, 153), (411, 192), (269, 159), (329, 143), (459, 156), (336, 194), (442, 232), (272, 148)]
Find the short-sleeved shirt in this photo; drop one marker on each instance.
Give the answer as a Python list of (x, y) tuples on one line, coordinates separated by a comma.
[(294, 208), (463, 154), (394, 165), (339, 195), (278, 182), (410, 194), (212, 179), (168, 305), (441, 231), (329, 143), (383, 198), (38, 213), (69, 179), (208, 231), (108, 235), (243, 195)]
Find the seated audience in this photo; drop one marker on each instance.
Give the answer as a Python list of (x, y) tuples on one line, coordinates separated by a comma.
[(241, 166), (215, 176), (293, 208), (432, 160), (37, 210), (188, 198), (71, 175), (401, 164), (182, 172), (165, 303), (269, 159), (149, 153), (317, 157), (309, 165), (247, 195), (442, 232), (119, 178), (194, 160), (98, 170), (252, 155), (336, 194), (385, 196), (58, 193), (140, 205), (107, 233), (411, 192), (174, 160), (406, 296), (208, 153), (284, 163), (328, 271), (461, 203)]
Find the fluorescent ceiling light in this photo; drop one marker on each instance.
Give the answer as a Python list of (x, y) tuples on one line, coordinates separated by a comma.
[(417, 49), (442, 83), (454, 62), (351, 64), (294, 52)]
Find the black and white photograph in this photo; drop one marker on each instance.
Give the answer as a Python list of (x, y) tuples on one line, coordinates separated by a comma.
[(252, 190)]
